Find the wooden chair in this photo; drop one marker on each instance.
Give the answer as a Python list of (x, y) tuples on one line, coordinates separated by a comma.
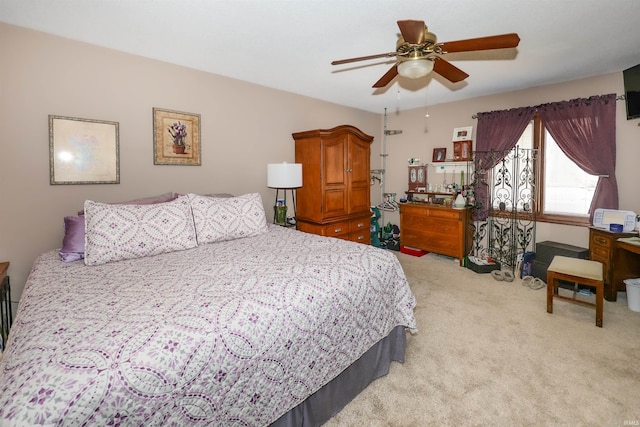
[(580, 272)]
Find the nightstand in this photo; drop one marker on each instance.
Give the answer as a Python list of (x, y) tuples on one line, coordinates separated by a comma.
[(6, 316)]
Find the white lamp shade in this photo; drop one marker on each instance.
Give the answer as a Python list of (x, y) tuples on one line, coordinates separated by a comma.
[(415, 68), (284, 175)]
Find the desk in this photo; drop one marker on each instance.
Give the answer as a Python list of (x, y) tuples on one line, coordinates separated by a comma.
[(626, 262), (602, 248)]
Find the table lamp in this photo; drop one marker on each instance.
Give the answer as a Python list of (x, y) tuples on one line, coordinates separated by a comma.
[(284, 176)]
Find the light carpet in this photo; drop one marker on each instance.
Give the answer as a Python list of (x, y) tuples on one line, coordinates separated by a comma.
[(488, 353)]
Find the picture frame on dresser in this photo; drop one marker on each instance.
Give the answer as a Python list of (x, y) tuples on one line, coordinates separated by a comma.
[(462, 150), (439, 155), (176, 138), (83, 151)]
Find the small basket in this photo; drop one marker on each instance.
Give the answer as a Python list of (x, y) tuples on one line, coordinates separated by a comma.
[(481, 268)]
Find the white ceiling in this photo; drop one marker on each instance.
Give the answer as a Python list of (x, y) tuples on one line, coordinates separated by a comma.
[(289, 44)]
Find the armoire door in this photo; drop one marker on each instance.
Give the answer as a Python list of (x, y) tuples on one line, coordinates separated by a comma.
[(358, 175), (335, 176)]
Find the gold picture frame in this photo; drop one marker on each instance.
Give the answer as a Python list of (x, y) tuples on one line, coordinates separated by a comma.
[(83, 151), (176, 138)]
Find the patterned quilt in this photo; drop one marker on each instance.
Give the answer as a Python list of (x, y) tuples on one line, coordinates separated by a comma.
[(224, 334)]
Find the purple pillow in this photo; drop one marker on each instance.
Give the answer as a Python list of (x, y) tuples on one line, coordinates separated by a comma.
[(73, 242), (162, 198)]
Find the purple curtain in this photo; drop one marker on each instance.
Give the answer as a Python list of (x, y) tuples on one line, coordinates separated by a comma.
[(585, 131), (497, 132)]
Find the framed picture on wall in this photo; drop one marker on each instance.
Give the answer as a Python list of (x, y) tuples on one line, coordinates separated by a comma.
[(439, 155), (83, 151), (462, 150), (176, 138)]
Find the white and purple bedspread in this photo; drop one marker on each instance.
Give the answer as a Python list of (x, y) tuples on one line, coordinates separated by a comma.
[(226, 334)]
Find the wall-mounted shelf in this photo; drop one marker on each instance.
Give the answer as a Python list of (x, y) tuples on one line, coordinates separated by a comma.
[(449, 167)]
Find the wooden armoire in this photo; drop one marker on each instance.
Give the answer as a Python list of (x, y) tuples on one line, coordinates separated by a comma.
[(334, 199)]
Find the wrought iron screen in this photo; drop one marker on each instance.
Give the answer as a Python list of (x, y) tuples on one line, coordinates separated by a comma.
[(510, 228)]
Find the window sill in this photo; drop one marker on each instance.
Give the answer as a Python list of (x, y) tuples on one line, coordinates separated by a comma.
[(580, 221)]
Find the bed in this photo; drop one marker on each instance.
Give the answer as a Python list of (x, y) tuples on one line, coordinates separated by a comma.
[(249, 324)]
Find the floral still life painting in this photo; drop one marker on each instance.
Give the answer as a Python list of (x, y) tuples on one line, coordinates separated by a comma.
[(176, 138), (178, 132)]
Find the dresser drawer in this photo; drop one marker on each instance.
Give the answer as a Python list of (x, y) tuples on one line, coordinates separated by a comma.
[(359, 224), (455, 215), (355, 229), (336, 229), (362, 236), (600, 241), (599, 253), (422, 224), (431, 238), (360, 230)]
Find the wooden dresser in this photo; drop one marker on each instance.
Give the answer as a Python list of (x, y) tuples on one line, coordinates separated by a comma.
[(334, 199), (602, 249), (439, 229)]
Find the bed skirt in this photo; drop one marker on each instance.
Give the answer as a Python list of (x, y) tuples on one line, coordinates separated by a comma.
[(318, 408)]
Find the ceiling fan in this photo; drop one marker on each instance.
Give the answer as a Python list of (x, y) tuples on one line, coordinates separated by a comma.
[(418, 53)]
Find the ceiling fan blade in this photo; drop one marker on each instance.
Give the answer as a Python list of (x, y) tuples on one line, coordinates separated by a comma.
[(364, 58), (482, 43), (388, 76), (412, 31), (449, 71)]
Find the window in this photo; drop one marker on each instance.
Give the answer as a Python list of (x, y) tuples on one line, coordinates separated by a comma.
[(568, 190), (564, 191)]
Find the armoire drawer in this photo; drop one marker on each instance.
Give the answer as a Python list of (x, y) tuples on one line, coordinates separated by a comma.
[(336, 229)]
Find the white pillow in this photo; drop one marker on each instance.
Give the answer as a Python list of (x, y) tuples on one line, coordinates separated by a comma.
[(219, 219), (118, 232)]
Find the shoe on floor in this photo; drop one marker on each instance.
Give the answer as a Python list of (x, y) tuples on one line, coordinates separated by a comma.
[(537, 284), (527, 281)]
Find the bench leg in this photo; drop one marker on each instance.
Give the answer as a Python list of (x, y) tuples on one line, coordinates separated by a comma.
[(550, 294)]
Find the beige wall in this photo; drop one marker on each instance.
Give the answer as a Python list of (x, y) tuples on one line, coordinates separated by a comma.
[(244, 127)]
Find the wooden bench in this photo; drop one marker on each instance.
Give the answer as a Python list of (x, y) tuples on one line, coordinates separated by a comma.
[(580, 272)]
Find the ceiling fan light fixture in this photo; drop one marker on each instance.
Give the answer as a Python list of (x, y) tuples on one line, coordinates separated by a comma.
[(415, 68)]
